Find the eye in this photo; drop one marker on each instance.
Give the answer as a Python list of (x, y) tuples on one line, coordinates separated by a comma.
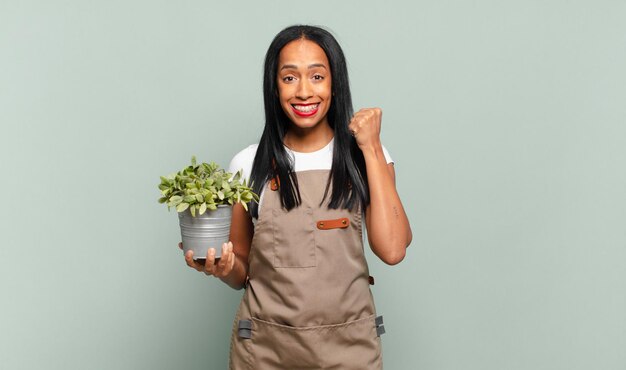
[(288, 79), (318, 77)]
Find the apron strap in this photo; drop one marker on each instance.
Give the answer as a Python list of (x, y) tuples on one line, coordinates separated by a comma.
[(244, 329)]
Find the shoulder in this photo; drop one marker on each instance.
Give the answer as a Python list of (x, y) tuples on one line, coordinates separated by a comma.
[(243, 160)]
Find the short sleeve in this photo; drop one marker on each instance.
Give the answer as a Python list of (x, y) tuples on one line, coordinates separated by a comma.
[(387, 156), (242, 161)]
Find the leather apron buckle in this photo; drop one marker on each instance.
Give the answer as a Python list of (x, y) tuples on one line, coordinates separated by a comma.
[(275, 183)]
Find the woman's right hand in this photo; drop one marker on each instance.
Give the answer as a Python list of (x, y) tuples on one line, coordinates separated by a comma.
[(220, 269)]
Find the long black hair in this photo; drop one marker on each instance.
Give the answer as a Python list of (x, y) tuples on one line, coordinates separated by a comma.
[(347, 176)]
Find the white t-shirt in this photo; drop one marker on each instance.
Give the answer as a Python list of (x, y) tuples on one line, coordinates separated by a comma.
[(318, 160)]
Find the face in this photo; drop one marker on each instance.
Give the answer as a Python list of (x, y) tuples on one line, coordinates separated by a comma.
[(304, 83)]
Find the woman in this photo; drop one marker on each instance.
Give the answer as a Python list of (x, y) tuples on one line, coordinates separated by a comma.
[(299, 252)]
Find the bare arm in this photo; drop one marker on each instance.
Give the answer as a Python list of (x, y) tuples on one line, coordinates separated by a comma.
[(232, 268), (241, 232), (388, 229)]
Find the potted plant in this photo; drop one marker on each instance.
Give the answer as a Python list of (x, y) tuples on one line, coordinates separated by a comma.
[(203, 195)]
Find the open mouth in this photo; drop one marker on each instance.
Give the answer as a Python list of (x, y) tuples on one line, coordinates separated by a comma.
[(305, 110)]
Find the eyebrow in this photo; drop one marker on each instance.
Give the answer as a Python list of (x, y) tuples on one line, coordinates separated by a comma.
[(293, 66)]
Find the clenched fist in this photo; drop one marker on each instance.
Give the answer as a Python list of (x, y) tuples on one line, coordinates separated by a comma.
[(365, 127)]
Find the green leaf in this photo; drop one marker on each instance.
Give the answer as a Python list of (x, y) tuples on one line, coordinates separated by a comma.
[(193, 210), (165, 180), (245, 206), (200, 187), (182, 207)]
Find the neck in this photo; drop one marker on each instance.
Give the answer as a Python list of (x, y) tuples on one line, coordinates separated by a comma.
[(309, 139)]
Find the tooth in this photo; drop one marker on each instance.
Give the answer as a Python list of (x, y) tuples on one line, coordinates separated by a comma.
[(306, 108)]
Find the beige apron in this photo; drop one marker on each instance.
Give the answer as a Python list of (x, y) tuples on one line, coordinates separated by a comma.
[(307, 304)]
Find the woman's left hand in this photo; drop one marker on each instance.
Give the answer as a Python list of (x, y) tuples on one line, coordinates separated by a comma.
[(388, 228), (365, 127)]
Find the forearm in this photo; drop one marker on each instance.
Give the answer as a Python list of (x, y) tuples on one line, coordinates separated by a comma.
[(388, 228), (236, 279), (241, 233)]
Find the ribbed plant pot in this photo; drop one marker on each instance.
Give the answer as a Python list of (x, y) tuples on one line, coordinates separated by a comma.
[(210, 230)]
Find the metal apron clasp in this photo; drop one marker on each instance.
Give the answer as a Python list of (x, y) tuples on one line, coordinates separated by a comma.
[(380, 327), (244, 329)]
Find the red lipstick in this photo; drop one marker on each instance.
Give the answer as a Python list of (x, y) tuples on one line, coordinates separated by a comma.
[(305, 114)]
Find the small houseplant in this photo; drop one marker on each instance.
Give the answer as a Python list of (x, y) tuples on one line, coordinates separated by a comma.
[(203, 195)]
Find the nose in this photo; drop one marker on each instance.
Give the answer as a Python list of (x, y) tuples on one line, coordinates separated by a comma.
[(304, 90)]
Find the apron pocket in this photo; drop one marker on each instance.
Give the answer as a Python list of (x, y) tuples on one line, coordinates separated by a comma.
[(294, 238), (352, 345)]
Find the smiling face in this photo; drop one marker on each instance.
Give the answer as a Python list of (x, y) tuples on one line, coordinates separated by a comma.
[(304, 84)]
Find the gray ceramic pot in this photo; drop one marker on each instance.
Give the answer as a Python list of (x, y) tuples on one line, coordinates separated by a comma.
[(202, 232)]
